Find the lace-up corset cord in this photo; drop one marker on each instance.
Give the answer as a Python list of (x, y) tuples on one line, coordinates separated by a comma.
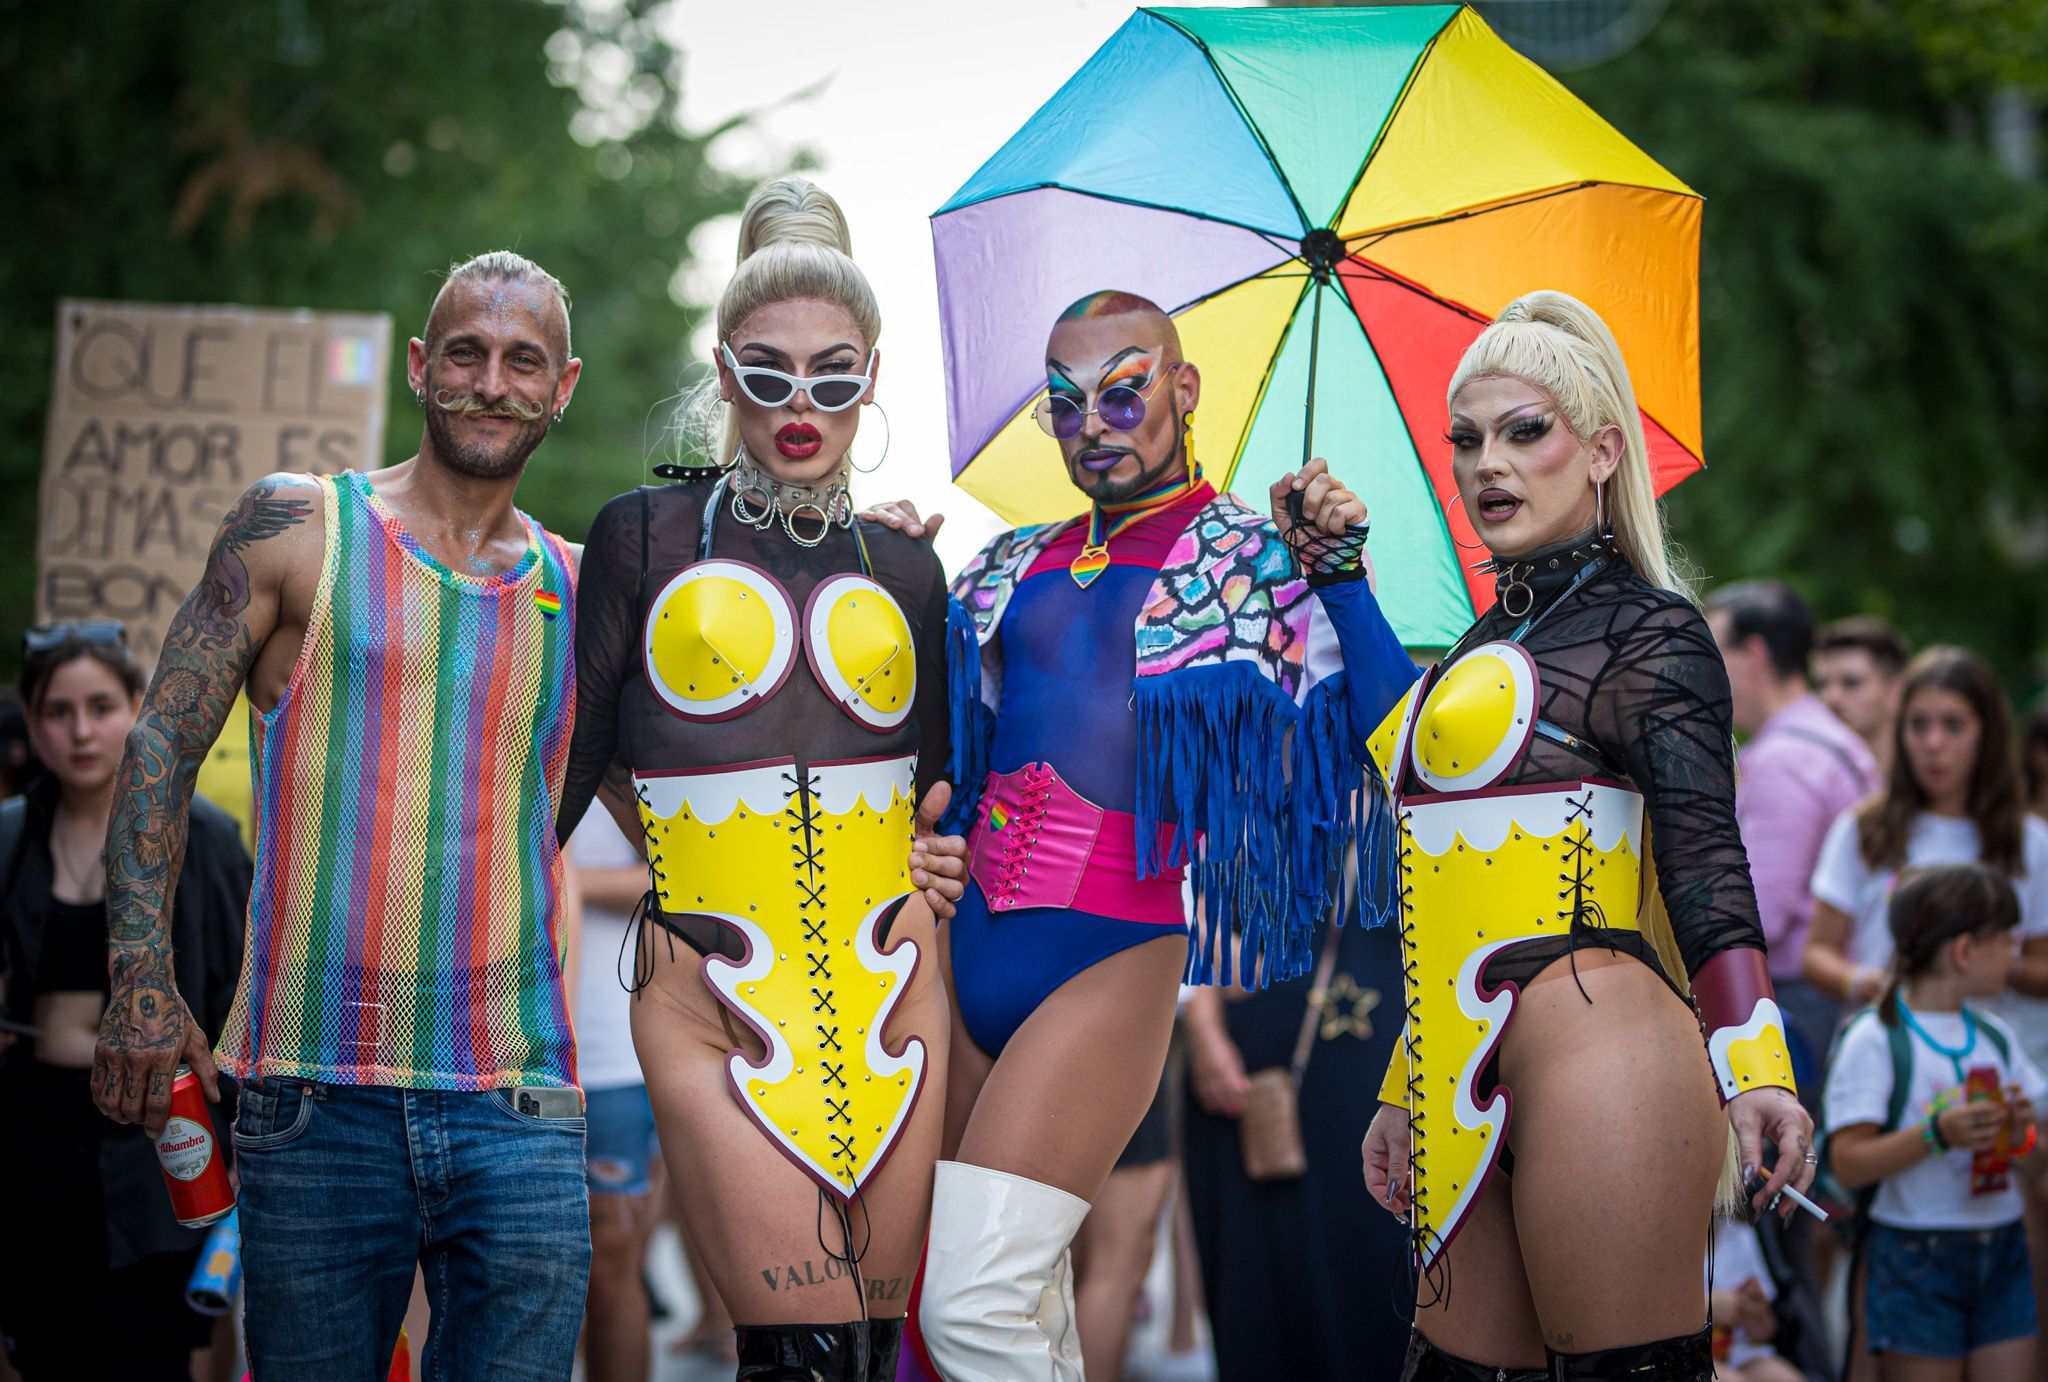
[(1561, 769), (780, 708), (719, 647)]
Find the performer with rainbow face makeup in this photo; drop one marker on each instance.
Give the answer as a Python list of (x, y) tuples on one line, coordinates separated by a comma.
[(1145, 696), (768, 675)]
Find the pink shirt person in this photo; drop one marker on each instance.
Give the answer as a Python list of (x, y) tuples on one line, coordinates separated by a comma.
[(1793, 777)]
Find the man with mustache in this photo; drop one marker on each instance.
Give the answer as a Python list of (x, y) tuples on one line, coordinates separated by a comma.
[(408, 1072), (1142, 694)]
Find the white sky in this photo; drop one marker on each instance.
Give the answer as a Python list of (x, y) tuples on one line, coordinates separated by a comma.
[(919, 93)]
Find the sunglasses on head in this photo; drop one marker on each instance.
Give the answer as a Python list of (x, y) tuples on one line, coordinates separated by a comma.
[(1120, 406), (98, 633), (771, 388)]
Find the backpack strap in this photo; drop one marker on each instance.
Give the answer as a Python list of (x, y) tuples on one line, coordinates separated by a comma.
[(2000, 1042), (13, 826), (13, 822), (1901, 1042)]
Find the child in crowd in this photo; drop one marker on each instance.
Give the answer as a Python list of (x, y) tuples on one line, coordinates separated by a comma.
[(1929, 1098), (1741, 1292)]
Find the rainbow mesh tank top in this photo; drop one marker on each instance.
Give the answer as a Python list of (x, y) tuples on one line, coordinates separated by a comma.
[(403, 925)]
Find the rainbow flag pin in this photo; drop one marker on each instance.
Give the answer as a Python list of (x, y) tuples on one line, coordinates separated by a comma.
[(998, 817), (548, 603)]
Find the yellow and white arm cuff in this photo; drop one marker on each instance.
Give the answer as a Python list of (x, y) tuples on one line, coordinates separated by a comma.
[(1752, 1054)]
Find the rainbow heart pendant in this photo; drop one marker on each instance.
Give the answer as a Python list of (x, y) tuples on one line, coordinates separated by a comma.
[(1091, 563)]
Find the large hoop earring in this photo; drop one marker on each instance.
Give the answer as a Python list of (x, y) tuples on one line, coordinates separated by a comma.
[(1457, 497), (888, 434)]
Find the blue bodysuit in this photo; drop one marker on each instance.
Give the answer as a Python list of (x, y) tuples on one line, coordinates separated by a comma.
[(1067, 707), (1068, 665)]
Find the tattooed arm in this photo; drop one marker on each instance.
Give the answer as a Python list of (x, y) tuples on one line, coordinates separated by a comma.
[(208, 651)]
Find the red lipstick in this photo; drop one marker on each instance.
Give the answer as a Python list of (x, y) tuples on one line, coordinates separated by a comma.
[(799, 441)]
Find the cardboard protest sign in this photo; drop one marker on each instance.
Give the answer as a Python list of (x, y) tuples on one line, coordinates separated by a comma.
[(161, 416)]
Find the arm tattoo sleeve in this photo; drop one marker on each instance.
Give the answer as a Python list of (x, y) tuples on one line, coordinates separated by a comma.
[(206, 656)]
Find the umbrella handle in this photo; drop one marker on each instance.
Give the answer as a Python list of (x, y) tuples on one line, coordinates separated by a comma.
[(1315, 340)]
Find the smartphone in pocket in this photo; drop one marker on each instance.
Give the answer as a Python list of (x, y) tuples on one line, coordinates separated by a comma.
[(547, 1101)]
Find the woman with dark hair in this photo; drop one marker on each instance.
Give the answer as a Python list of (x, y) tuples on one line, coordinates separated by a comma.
[(1953, 797), (90, 1220)]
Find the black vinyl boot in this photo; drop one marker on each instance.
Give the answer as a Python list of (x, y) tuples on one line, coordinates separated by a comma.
[(1428, 1363), (804, 1353), (1687, 1358), (885, 1337)]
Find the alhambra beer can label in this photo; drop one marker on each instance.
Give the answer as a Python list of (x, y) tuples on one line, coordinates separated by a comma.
[(189, 1151)]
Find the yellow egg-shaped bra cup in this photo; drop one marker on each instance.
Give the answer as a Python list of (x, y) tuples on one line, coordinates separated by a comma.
[(861, 650), (1476, 719), (719, 637)]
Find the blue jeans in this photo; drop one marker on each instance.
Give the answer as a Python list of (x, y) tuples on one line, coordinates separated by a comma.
[(345, 1187), (1944, 1293)]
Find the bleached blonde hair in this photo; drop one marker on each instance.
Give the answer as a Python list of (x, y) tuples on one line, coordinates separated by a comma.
[(794, 243), (1560, 345)]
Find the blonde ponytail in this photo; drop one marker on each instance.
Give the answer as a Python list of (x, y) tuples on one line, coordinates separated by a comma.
[(794, 243), (1562, 347)]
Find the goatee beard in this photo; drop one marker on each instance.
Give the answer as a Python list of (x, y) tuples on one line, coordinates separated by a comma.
[(1104, 490), (483, 462)]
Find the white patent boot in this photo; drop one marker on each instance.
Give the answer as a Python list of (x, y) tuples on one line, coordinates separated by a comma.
[(998, 1280)]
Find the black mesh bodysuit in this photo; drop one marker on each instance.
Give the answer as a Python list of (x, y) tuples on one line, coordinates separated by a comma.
[(1632, 674), (643, 538)]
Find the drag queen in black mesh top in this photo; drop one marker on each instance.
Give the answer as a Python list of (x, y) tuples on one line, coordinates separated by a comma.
[(1576, 904), (763, 684)]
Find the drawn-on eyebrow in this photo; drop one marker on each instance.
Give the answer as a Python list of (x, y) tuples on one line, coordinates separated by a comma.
[(1113, 361), (1129, 366), (1064, 371)]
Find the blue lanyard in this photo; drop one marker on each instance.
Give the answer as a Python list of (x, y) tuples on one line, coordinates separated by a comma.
[(1955, 1054), (1586, 573)]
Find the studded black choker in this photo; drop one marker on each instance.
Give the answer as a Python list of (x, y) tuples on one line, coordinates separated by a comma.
[(1521, 583)]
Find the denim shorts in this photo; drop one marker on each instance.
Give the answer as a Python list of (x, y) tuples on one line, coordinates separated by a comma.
[(622, 1143), (1941, 1293)]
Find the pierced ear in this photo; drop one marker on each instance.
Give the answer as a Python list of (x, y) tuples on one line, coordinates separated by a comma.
[(1607, 448)]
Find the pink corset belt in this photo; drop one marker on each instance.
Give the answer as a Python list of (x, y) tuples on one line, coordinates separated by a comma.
[(1037, 842)]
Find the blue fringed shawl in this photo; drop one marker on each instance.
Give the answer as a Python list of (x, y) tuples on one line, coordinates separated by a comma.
[(1242, 747)]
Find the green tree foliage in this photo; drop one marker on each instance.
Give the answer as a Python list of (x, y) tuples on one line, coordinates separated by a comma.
[(1873, 279), (339, 155)]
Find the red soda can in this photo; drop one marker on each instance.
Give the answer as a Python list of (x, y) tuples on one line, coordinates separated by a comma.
[(189, 1152)]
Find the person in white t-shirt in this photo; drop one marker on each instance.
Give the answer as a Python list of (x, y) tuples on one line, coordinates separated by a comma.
[(1950, 1291), (612, 877), (1739, 1296), (1953, 797)]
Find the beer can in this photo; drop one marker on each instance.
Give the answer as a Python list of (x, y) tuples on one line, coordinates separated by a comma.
[(187, 1149)]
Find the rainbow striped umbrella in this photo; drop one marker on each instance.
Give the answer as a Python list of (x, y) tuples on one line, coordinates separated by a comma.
[(1338, 196)]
